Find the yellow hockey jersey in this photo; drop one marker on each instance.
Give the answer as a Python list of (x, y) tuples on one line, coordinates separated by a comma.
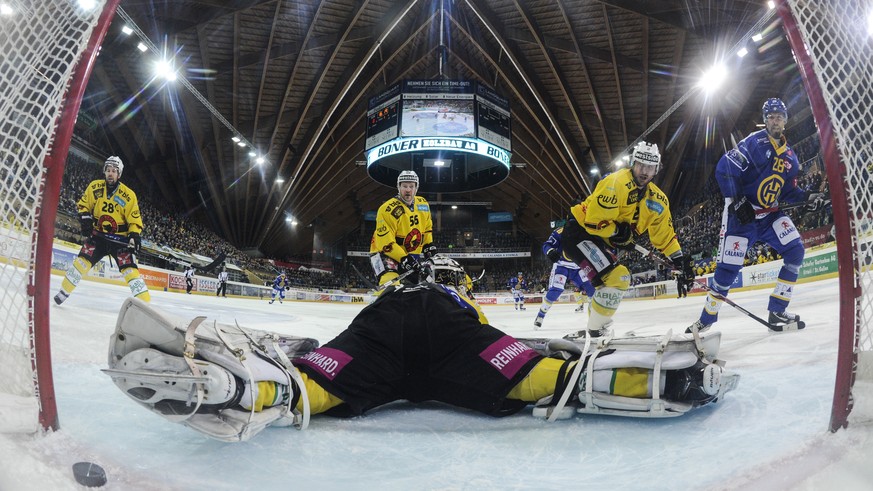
[(402, 229), (618, 199), (117, 213)]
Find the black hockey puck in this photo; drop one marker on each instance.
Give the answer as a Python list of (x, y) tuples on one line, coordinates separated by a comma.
[(89, 474)]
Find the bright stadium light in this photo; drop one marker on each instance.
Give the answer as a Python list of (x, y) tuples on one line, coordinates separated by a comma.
[(235, 139), (757, 37), (713, 78), (742, 52), (142, 47), (279, 180), (164, 69), (126, 30), (87, 4), (260, 160), (5, 9), (771, 4)]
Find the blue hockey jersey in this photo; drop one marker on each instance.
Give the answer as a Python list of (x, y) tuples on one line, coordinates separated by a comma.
[(761, 169)]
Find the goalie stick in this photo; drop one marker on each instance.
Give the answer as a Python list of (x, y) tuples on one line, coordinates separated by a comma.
[(645, 252)]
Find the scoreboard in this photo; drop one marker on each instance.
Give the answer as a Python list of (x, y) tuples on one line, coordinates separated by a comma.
[(383, 117), (492, 118)]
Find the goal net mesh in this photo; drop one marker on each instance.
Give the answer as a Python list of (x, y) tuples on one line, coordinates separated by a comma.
[(838, 40), (41, 42)]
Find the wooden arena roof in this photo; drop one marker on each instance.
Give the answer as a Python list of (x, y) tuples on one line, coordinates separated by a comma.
[(585, 78)]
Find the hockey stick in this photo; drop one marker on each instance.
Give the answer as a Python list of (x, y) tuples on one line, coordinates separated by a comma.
[(479, 278), (718, 296), (363, 278), (791, 206)]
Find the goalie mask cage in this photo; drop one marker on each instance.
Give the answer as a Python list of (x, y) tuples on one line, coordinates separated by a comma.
[(833, 47), (48, 50)]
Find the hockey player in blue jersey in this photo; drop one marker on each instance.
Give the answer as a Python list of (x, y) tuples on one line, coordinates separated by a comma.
[(760, 173), (562, 270), (517, 285), (280, 284)]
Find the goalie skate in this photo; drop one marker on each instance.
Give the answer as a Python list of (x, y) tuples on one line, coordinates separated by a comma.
[(185, 373)]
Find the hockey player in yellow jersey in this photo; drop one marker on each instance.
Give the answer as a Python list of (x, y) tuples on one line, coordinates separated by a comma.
[(404, 232), (111, 224), (624, 204)]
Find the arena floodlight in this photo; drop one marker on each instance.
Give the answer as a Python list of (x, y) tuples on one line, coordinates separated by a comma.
[(165, 70), (126, 30), (279, 180), (742, 52), (253, 154), (241, 144), (594, 171), (757, 37), (87, 4), (713, 78), (142, 47), (771, 4), (5, 9), (260, 160), (235, 139)]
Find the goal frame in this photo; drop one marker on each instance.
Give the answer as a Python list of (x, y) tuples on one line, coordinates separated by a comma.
[(39, 286), (850, 289)]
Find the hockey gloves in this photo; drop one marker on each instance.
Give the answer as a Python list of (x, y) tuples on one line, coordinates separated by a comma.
[(623, 237), (409, 263), (135, 243), (816, 201), (428, 251), (553, 255), (87, 223), (743, 210), (683, 264)]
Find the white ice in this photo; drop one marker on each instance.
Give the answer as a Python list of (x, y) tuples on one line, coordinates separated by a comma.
[(771, 433)]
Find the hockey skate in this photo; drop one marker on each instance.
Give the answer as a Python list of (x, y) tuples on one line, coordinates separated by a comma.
[(538, 322), (580, 308), (699, 327), (271, 301), (785, 321)]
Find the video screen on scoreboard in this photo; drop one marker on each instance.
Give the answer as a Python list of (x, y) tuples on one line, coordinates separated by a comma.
[(438, 108), (493, 118), (383, 117)]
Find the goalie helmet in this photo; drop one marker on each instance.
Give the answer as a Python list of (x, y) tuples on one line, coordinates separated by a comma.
[(646, 154), (774, 105), (445, 271), (114, 162), (407, 176)]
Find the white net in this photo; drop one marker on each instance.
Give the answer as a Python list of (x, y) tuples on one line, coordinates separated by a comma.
[(837, 35), (40, 43)]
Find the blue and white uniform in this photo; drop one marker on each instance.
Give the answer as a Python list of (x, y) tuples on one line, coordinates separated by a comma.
[(517, 286), (764, 171), (562, 270), (279, 285)]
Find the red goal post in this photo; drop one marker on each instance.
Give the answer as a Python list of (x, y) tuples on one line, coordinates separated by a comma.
[(833, 47), (49, 48)]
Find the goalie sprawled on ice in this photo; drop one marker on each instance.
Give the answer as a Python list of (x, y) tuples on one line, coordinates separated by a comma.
[(421, 342)]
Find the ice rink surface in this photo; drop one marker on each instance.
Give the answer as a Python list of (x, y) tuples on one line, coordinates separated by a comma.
[(770, 433)]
